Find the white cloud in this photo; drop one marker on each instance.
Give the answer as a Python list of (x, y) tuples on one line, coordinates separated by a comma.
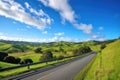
[(52, 39), (3, 37), (68, 39), (94, 36), (62, 7), (38, 13), (98, 36), (100, 28), (27, 4), (13, 10), (59, 34), (86, 28), (67, 14)]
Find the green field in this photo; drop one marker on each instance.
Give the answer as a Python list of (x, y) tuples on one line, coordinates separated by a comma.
[(5, 65), (106, 65)]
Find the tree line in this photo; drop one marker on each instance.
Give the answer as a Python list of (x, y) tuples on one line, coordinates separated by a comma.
[(10, 59)]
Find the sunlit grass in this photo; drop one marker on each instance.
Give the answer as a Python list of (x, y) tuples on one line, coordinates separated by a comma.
[(106, 65), (5, 65)]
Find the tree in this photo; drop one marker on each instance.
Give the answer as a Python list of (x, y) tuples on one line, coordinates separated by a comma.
[(47, 56), (38, 50), (82, 50), (28, 61), (10, 59), (17, 60), (102, 46), (3, 55)]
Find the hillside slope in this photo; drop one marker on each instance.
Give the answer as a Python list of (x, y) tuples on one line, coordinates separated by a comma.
[(107, 64)]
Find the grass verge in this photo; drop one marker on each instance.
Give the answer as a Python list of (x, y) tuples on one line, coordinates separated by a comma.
[(81, 75)]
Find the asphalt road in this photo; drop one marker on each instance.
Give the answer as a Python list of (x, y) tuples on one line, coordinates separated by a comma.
[(65, 71)]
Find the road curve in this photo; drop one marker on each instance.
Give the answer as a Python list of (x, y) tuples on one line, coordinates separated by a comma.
[(62, 72)]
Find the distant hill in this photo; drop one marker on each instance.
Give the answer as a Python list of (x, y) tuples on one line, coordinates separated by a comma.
[(21, 46)]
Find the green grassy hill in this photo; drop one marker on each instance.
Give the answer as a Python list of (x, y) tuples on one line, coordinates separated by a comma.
[(106, 65), (26, 50)]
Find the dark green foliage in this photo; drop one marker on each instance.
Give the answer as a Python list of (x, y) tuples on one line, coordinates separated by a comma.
[(102, 46), (61, 49), (38, 50), (82, 50), (9, 59), (27, 61), (21, 48), (60, 57), (47, 56), (3, 55), (17, 60)]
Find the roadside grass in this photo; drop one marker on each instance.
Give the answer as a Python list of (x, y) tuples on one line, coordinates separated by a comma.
[(106, 65), (82, 74), (5, 65), (12, 72)]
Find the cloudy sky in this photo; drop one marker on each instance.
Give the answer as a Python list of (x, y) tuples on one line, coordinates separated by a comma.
[(59, 20)]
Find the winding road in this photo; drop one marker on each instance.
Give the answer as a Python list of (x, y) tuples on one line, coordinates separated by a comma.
[(64, 71)]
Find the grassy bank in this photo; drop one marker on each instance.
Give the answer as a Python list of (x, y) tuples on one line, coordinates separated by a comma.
[(82, 74), (106, 65)]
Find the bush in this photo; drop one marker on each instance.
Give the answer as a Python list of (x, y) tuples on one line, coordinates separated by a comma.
[(102, 46), (10, 59), (47, 56), (38, 50), (27, 61), (82, 50), (3, 55), (17, 60)]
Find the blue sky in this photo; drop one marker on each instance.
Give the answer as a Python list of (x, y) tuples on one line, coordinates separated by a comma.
[(59, 20)]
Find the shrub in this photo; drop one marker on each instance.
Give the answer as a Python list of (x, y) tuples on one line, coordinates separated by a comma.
[(102, 46), (82, 50), (47, 56), (17, 60), (38, 50), (10, 59), (3, 55), (27, 61)]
